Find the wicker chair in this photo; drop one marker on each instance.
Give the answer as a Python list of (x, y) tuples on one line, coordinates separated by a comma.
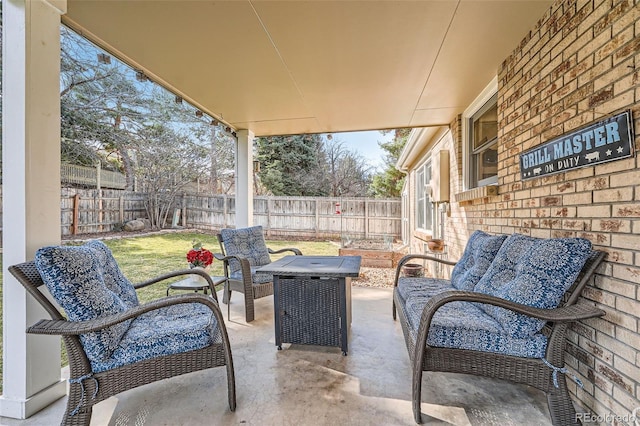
[(89, 385), (544, 372), (243, 251)]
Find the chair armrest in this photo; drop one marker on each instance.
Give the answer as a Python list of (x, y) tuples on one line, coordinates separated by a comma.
[(245, 267), (192, 271), (284, 250), (71, 328), (408, 257)]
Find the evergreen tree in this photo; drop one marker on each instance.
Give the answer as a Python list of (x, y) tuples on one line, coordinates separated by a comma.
[(290, 164), (389, 183)]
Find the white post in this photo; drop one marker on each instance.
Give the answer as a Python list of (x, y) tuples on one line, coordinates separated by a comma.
[(31, 194), (244, 178)]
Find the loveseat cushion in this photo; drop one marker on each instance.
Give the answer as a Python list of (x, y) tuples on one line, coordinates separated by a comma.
[(75, 279), (463, 325), (165, 331), (114, 279), (532, 271), (481, 249), (247, 242), (408, 286)]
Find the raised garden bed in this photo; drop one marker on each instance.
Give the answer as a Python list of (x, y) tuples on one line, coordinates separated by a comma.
[(374, 254)]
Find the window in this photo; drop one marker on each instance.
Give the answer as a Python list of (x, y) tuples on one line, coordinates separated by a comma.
[(483, 142), (424, 208), (480, 146)]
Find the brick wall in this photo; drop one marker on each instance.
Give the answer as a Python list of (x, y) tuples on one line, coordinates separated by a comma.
[(580, 63)]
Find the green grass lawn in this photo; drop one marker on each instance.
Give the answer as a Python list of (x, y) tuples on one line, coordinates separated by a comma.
[(142, 258)]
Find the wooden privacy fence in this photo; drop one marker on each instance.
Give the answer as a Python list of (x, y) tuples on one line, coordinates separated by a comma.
[(315, 217), (85, 211)]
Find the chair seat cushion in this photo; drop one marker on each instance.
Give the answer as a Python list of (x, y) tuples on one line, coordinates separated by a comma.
[(409, 286), (463, 325), (480, 251), (74, 277), (534, 272), (255, 278), (165, 331)]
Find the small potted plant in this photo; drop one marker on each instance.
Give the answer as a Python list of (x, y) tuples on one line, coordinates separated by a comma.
[(199, 257)]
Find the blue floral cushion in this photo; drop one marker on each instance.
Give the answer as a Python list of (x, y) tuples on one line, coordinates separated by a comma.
[(248, 242), (255, 278), (113, 277), (478, 254), (463, 325), (534, 272), (408, 286), (165, 331), (75, 279)]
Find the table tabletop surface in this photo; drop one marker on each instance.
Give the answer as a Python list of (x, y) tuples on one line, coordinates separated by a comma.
[(189, 283), (311, 266)]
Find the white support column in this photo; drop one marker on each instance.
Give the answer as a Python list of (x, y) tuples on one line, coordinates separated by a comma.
[(244, 178), (31, 194)]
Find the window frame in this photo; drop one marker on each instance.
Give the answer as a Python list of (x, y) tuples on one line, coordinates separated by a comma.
[(424, 218), (480, 103)]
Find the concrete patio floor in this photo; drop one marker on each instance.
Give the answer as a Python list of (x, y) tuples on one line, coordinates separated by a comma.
[(311, 385)]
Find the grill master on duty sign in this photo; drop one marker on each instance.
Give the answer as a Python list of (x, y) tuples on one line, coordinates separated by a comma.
[(606, 140)]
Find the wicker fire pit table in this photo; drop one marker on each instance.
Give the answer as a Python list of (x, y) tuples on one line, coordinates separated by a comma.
[(312, 299)]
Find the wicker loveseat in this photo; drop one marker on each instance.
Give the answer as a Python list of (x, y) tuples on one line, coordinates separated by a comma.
[(525, 291), (113, 342)]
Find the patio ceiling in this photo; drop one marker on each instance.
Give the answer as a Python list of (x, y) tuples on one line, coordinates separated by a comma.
[(285, 67)]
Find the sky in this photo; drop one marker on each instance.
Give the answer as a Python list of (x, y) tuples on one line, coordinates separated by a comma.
[(366, 144)]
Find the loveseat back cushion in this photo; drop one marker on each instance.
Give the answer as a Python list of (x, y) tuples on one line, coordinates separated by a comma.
[(534, 272), (165, 331), (74, 277), (247, 242), (481, 249), (463, 325), (114, 279)]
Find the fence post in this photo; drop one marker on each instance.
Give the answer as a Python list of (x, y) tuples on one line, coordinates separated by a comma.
[(100, 211), (121, 208), (269, 216), (184, 210), (225, 208), (76, 214), (98, 182), (366, 218), (317, 217)]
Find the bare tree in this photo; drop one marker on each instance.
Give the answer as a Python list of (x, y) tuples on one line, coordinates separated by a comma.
[(166, 163), (347, 172)]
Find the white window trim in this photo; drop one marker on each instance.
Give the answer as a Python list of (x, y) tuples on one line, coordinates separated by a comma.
[(489, 91), (422, 166)]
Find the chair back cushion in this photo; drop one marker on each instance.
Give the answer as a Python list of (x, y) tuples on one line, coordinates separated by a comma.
[(480, 251), (113, 277), (247, 242), (534, 272), (75, 278)]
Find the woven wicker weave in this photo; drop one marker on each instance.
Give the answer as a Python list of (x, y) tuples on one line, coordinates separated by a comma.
[(120, 379), (245, 286), (530, 371), (309, 311)]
